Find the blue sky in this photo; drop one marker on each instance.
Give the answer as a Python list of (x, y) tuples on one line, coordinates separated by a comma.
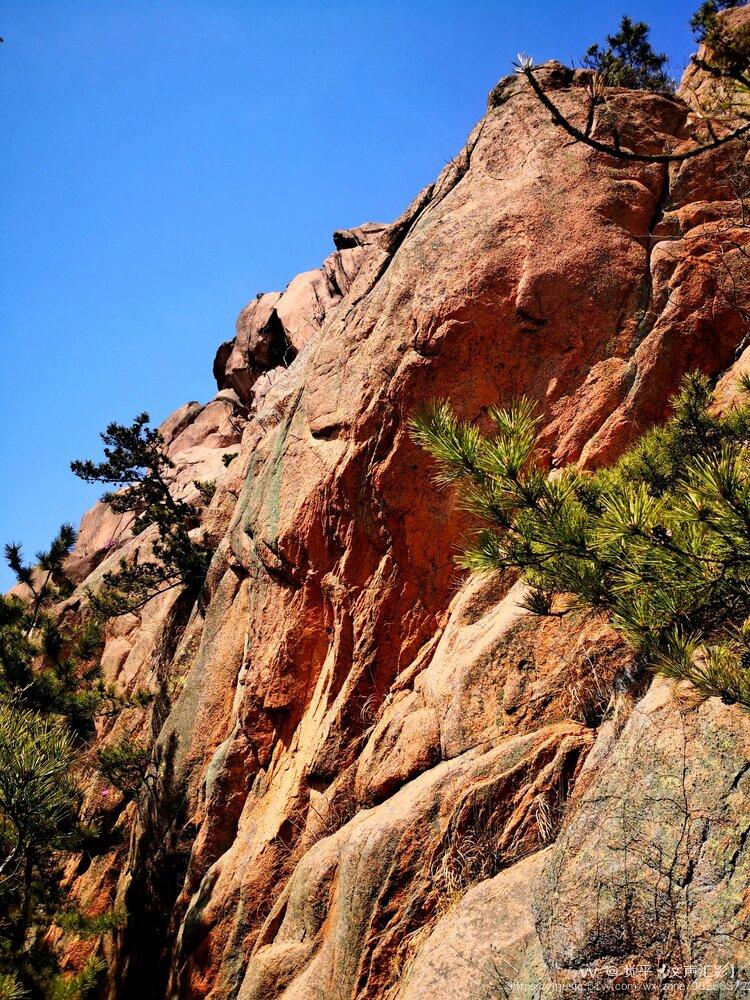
[(164, 161)]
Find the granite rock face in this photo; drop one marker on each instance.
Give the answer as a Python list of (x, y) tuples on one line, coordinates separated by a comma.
[(379, 778), (274, 328)]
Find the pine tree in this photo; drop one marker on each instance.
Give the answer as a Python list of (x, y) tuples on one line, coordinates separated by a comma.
[(46, 664), (38, 816), (50, 693), (660, 541), (136, 461), (629, 60), (729, 60), (46, 581), (704, 21)]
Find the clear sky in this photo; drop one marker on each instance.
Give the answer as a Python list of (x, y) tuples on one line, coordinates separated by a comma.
[(162, 162)]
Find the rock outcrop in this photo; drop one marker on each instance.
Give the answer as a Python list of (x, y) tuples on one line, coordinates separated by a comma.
[(379, 778), (273, 329)]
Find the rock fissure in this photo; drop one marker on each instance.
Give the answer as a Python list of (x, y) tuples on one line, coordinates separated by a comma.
[(647, 305)]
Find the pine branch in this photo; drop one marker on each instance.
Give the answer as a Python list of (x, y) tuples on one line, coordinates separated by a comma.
[(615, 149)]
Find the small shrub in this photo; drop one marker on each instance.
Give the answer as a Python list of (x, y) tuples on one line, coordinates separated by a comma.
[(228, 457), (125, 765), (206, 489), (592, 697), (470, 858), (470, 852)]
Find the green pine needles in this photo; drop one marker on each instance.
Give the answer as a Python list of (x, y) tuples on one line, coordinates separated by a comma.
[(48, 662), (628, 60), (38, 819), (137, 463), (660, 541)]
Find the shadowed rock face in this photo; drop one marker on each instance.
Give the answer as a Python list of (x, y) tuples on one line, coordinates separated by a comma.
[(379, 776)]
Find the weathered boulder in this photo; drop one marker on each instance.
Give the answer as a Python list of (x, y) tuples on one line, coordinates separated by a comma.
[(486, 946), (651, 868)]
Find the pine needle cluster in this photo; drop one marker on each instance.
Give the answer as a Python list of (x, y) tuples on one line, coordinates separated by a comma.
[(38, 818), (660, 541)]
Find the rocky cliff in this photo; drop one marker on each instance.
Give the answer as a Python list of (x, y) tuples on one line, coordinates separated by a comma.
[(379, 777)]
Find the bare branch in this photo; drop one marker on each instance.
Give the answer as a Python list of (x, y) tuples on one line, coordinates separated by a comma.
[(616, 149)]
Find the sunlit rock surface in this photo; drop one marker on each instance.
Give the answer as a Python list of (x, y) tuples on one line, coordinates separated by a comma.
[(382, 779)]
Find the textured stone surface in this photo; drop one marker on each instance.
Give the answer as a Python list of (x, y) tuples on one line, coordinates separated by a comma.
[(358, 898), (486, 946), (273, 328), (352, 734), (651, 866)]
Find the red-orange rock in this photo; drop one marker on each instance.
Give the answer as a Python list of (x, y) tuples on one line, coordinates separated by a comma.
[(354, 735)]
